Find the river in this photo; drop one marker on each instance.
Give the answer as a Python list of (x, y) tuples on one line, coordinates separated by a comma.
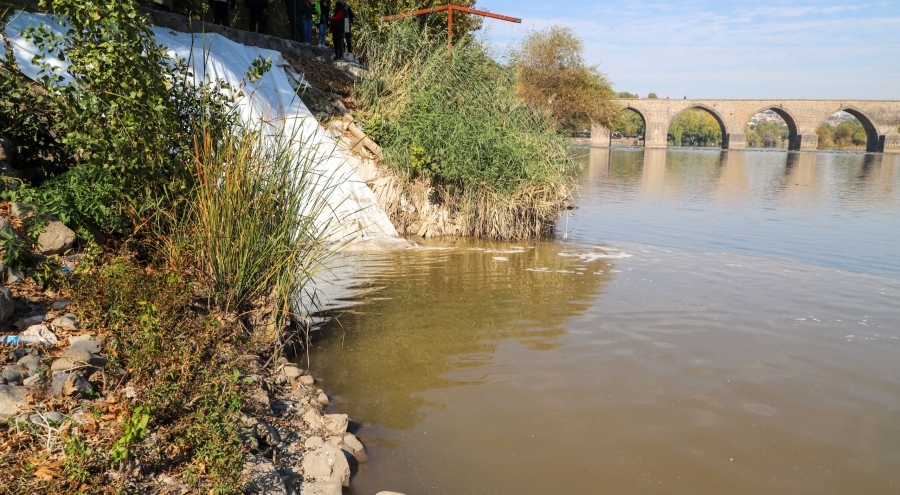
[(704, 322)]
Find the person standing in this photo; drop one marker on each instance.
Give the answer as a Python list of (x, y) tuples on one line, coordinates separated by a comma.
[(306, 21), (325, 6), (259, 15), (337, 30), (221, 12), (348, 22)]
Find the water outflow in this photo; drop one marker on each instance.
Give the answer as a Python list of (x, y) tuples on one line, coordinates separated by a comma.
[(270, 102)]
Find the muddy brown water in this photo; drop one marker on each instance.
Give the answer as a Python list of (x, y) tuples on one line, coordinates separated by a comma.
[(705, 322)]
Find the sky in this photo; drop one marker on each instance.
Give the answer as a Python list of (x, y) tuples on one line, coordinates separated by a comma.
[(725, 49)]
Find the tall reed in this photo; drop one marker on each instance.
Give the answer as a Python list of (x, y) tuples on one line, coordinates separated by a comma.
[(259, 219), (452, 119)]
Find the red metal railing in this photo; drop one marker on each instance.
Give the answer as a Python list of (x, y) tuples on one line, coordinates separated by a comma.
[(450, 9)]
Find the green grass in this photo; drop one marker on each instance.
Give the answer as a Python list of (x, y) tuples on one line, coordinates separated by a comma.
[(451, 119)]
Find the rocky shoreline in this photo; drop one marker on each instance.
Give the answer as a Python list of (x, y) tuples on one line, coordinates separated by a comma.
[(292, 445)]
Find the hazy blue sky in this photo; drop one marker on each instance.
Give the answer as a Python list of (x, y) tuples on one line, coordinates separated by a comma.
[(704, 49)]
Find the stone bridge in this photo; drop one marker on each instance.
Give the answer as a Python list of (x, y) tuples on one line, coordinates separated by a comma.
[(880, 119)]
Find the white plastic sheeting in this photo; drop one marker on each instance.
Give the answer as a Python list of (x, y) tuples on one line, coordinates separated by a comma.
[(271, 100)]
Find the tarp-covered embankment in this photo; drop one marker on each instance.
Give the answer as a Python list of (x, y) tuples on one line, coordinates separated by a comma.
[(270, 101)]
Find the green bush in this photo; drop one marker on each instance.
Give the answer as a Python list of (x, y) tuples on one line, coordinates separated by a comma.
[(452, 116), (124, 122)]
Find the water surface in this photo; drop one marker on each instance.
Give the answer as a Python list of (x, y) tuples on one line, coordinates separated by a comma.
[(714, 322)]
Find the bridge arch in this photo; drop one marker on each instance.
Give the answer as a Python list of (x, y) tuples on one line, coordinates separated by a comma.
[(872, 138), (699, 106), (789, 120)]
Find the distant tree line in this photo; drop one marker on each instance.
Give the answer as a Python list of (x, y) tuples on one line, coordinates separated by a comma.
[(766, 134), (847, 134), (695, 127)]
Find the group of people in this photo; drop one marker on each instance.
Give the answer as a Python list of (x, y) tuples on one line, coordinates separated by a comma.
[(319, 13), (307, 12)]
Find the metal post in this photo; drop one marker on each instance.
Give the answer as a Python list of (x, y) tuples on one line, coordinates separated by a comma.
[(450, 26)]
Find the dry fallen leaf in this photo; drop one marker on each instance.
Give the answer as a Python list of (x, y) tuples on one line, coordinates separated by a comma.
[(48, 471)]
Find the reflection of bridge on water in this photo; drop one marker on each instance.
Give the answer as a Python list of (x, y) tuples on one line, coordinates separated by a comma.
[(880, 119), (731, 179)]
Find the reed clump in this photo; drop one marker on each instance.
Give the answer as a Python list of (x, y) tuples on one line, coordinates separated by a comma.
[(450, 120)]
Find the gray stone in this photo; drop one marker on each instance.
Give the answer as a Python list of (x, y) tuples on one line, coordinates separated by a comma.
[(336, 423), (7, 170), (322, 398), (307, 380), (327, 463), (31, 362), (314, 419), (321, 488), (77, 385), (12, 375), (61, 304), (78, 355), (63, 364), (21, 210), (355, 447), (292, 371), (263, 478), (46, 336), (7, 306), (35, 380), (30, 320), (54, 416), (314, 442), (86, 342), (12, 399), (336, 441), (14, 276), (56, 238), (65, 322), (57, 383)]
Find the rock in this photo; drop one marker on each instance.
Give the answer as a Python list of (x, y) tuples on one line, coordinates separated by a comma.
[(21, 210), (12, 375), (55, 238), (321, 488), (336, 423), (7, 149), (30, 320), (47, 337), (322, 398), (260, 397), (291, 371), (63, 364), (327, 464), (314, 419), (14, 276), (307, 380), (54, 416), (35, 380), (67, 321), (77, 385), (263, 478), (57, 383), (61, 304), (7, 170), (11, 400), (336, 441), (78, 355), (355, 447), (7, 307), (313, 442), (31, 362), (86, 342)]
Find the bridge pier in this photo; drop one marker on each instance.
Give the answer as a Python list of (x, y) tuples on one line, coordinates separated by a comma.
[(889, 143), (805, 142), (600, 136), (734, 141)]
